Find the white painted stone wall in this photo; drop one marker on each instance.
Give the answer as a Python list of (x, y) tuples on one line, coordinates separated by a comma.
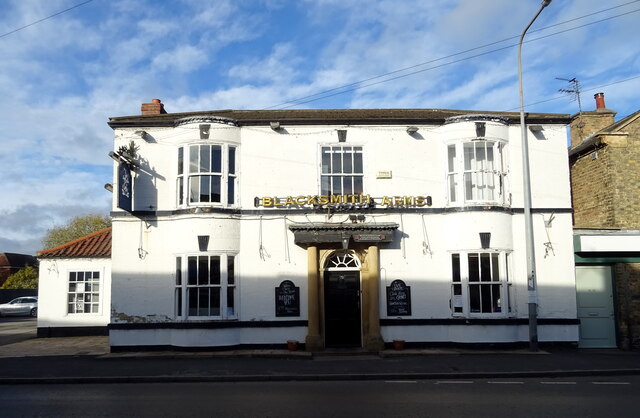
[(53, 288), (286, 163)]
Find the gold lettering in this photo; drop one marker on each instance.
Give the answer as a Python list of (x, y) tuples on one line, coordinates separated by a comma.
[(323, 200), (277, 203), (365, 199), (398, 201), (301, 200), (353, 198), (420, 201), (289, 201), (336, 198), (386, 201), (267, 202)]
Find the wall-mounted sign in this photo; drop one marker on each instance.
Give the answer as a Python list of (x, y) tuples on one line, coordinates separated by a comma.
[(287, 299), (398, 299), (340, 200), (125, 187), (369, 237)]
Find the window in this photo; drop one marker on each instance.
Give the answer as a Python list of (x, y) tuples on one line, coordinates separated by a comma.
[(207, 175), (476, 172), (342, 171), (480, 283), (84, 292), (205, 286)]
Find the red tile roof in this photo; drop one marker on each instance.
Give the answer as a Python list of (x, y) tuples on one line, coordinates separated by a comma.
[(97, 244)]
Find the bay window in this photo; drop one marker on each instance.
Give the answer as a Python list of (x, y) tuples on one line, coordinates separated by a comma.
[(480, 284), (205, 286), (476, 172), (207, 175)]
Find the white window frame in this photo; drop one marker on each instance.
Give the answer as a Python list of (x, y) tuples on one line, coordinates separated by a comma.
[(463, 303), (188, 172), (331, 173), (94, 294), (186, 286), (471, 181)]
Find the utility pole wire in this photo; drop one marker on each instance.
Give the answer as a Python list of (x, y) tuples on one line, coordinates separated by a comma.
[(45, 18), (358, 84)]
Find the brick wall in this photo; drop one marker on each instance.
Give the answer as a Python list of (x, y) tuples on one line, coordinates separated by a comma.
[(606, 183), (627, 287), (592, 195), (586, 123)]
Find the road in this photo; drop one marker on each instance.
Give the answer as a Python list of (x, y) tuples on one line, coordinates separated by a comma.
[(14, 329), (566, 397)]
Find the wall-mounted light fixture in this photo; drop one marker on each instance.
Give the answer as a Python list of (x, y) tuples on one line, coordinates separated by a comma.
[(274, 125), (412, 130), (108, 187), (141, 134), (481, 129), (342, 135), (536, 128)]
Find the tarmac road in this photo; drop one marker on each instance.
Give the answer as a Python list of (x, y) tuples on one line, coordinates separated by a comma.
[(14, 329)]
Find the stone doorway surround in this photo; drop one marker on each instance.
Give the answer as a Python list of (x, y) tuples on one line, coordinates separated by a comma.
[(363, 240)]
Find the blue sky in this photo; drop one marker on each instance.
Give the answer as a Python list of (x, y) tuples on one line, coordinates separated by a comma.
[(62, 78)]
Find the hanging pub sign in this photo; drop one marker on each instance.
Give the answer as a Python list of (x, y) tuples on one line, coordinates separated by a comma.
[(287, 299), (125, 187), (398, 299)]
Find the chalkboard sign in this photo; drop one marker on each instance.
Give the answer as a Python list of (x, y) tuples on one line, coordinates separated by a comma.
[(287, 299), (398, 299)]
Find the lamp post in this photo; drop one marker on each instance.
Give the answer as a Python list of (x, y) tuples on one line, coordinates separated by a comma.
[(528, 219)]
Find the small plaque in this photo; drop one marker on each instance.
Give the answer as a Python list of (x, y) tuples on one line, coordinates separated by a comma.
[(386, 174), (398, 299), (287, 299)]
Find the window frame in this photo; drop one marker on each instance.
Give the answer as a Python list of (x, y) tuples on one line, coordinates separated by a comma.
[(462, 284), (485, 175), (228, 285), (185, 176), (98, 293), (329, 189)]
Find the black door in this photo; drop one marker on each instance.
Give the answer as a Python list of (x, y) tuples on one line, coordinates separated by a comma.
[(342, 309)]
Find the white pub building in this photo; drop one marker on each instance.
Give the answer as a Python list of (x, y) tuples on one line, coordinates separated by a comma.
[(336, 228)]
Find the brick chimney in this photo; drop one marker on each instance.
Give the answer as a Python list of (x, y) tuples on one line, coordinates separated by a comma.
[(154, 108), (586, 123)]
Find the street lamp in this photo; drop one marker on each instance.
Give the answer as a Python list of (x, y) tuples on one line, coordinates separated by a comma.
[(528, 219)]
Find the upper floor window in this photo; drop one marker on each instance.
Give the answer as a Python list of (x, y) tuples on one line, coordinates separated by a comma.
[(207, 174), (342, 172), (476, 172)]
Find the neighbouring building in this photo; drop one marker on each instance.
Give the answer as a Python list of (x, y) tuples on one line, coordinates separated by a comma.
[(336, 228), (11, 263), (605, 179), (74, 292)]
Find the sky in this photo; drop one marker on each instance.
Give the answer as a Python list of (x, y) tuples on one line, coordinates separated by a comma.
[(66, 66)]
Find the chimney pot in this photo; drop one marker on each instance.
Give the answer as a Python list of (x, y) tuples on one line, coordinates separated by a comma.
[(156, 100), (599, 101)]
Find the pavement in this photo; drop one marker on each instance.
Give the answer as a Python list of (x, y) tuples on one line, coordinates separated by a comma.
[(89, 360)]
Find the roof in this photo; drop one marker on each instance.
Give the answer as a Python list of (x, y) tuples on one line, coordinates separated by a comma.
[(94, 245), (325, 116), (16, 260)]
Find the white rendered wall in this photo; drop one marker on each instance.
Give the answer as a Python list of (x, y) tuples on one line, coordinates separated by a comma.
[(53, 288), (286, 163)]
